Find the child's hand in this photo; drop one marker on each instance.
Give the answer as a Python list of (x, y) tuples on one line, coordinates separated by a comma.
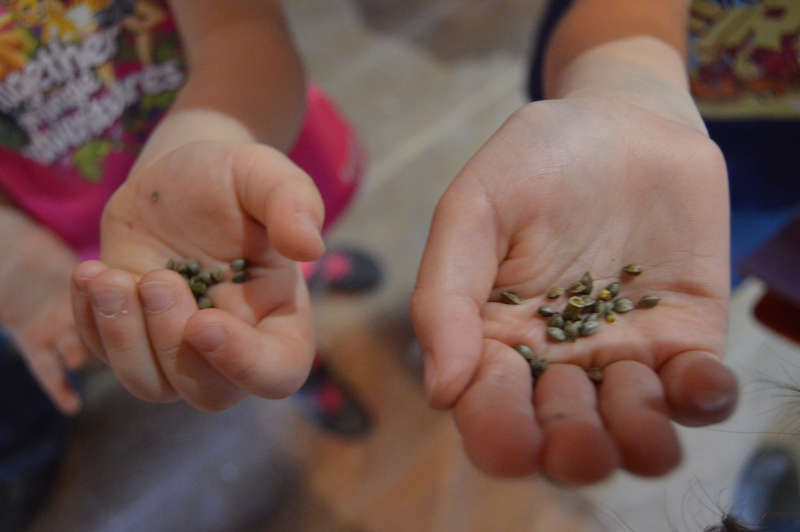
[(214, 202), (34, 289), (565, 187)]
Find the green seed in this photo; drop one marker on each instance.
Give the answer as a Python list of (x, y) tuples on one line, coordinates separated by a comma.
[(632, 269), (556, 334), (610, 318), (595, 375), (204, 302), (525, 351), (555, 292), (538, 365), (206, 278), (216, 274), (588, 303), (623, 305), (576, 288), (649, 301), (614, 289), (171, 265), (574, 308), (603, 308), (239, 265), (240, 277), (604, 295), (510, 298), (589, 327), (572, 330), (193, 267), (557, 321), (198, 286), (546, 311)]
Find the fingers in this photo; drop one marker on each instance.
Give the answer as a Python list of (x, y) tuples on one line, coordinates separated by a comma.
[(577, 450), (635, 413), (283, 198), (495, 415), (50, 373), (455, 279), (699, 389)]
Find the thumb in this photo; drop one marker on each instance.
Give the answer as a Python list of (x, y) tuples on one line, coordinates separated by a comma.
[(283, 198)]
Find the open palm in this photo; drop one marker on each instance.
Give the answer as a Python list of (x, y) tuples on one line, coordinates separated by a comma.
[(566, 187), (213, 202)]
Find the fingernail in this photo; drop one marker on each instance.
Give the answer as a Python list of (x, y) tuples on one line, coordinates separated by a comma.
[(157, 296), (310, 225), (208, 339), (108, 301), (713, 401)]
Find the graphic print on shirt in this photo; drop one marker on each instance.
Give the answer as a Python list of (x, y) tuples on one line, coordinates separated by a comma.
[(744, 58), (83, 79)]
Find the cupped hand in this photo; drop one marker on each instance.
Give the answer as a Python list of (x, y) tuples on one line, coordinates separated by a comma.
[(214, 202), (565, 187), (34, 289)]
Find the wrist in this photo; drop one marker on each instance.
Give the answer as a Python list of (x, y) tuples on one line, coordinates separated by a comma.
[(641, 71)]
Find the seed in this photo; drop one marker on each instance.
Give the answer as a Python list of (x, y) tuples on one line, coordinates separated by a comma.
[(216, 274), (525, 351), (574, 308), (604, 295), (198, 286), (610, 318), (510, 298), (572, 330), (614, 289), (603, 308), (555, 292), (623, 305), (170, 264), (182, 269), (546, 311), (595, 375), (557, 321), (538, 365), (649, 301), (239, 265), (206, 278), (632, 269), (576, 288), (556, 334), (588, 303), (240, 277), (204, 302), (587, 281), (193, 267), (589, 327), (592, 316)]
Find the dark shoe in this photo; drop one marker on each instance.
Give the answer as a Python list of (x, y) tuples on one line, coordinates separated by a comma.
[(343, 270), (331, 405), (767, 494), (32, 440)]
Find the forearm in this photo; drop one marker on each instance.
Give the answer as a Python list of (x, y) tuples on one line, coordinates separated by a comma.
[(246, 82), (590, 23)]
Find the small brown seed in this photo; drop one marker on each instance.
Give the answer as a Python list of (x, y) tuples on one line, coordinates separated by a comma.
[(546, 311), (595, 375), (557, 321), (204, 302), (555, 292), (525, 351), (240, 277), (604, 295), (649, 301), (623, 305), (239, 265), (556, 334), (193, 267), (614, 289), (632, 269), (588, 282), (576, 288), (574, 308), (510, 298), (572, 330)]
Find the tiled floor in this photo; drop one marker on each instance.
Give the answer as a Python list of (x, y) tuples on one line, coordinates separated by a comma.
[(426, 82)]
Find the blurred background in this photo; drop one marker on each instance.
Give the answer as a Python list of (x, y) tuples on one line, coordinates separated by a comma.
[(425, 83)]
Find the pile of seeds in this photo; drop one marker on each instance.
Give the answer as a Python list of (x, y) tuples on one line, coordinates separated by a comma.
[(582, 315), (200, 281)]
